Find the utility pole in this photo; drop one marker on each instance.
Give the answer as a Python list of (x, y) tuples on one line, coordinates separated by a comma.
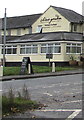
[(4, 38)]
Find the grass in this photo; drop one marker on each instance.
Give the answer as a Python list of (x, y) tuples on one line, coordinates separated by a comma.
[(17, 106), (64, 68), (41, 69), (37, 69), (11, 71), (12, 104)]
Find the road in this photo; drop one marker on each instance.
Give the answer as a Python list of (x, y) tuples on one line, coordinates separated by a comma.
[(62, 95)]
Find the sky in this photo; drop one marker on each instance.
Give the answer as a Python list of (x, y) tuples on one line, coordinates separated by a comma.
[(27, 7)]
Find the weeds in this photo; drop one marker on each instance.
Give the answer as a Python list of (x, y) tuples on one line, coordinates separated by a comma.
[(12, 104), (25, 93)]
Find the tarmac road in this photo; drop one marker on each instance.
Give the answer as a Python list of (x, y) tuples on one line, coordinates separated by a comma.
[(62, 95)]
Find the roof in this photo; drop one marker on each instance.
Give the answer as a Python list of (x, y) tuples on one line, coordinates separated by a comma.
[(8, 38), (20, 21), (53, 36), (70, 15), (28, 20)]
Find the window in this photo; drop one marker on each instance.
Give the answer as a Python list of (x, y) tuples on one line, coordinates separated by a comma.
[(73, 48), (79, 50), (39, 29), (10, 49), (34, 49), (43, 48), (14, 49), (9, 32), (57, 48), (75, 27), (18, 32), (22, 49), (28, 49), (51, 48), (30, 31)]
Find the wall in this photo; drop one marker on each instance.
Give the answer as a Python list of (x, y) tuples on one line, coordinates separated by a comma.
[(23, 31), (79, 28), (40, 57), (51, 23)]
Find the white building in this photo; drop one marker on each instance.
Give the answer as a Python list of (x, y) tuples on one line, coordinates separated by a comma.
[(58, 31)]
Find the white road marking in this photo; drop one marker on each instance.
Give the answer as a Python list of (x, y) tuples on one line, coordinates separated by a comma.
[(48, 94), (58, 110), (53, 85), (77, 83), (74, 114), (73, 101), (62, 84), (72, 93), (0, 90), (57, 91)]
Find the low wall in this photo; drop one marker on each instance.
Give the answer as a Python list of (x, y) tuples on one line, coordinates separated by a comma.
[(38, 63)]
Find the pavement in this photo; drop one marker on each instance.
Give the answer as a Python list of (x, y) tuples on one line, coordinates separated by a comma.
[(61, 73)]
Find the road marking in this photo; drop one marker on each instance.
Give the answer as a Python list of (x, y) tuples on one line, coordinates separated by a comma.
[(72, 101), (53, 85), (77, 83), (62, 84), (68, 93), (48, 94), (73, 115), (58, 110)]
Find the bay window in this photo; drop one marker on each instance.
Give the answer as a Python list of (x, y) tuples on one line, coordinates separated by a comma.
[(51, 48), (28, 49), (73, 48), (10, 49)]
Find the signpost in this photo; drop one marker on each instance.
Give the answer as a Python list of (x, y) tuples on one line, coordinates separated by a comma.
[(24, 66), (4, 38), (49, 56)]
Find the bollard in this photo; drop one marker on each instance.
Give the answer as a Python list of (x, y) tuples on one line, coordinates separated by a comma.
[(53, 67), (29, 69), (1, 70)]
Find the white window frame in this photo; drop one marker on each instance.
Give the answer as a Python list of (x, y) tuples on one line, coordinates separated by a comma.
[(39, 28), (53, 48), (71, 46), (31, 49), (11, 47)]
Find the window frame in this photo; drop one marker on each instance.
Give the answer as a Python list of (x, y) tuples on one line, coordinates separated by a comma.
[(74, 27), (47, 45), (11, 48), (72, 46), (31, 49)]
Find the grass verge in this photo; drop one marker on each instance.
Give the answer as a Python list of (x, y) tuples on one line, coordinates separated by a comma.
[(12, 104), (37, 69), (18, 105)]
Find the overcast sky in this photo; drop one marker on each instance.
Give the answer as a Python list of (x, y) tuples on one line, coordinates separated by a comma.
[(27, 7)]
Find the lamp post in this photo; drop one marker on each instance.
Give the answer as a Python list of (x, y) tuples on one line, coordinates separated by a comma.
[(4, 42)]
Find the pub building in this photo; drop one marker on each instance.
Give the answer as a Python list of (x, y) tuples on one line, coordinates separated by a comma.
[(57, 31)]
